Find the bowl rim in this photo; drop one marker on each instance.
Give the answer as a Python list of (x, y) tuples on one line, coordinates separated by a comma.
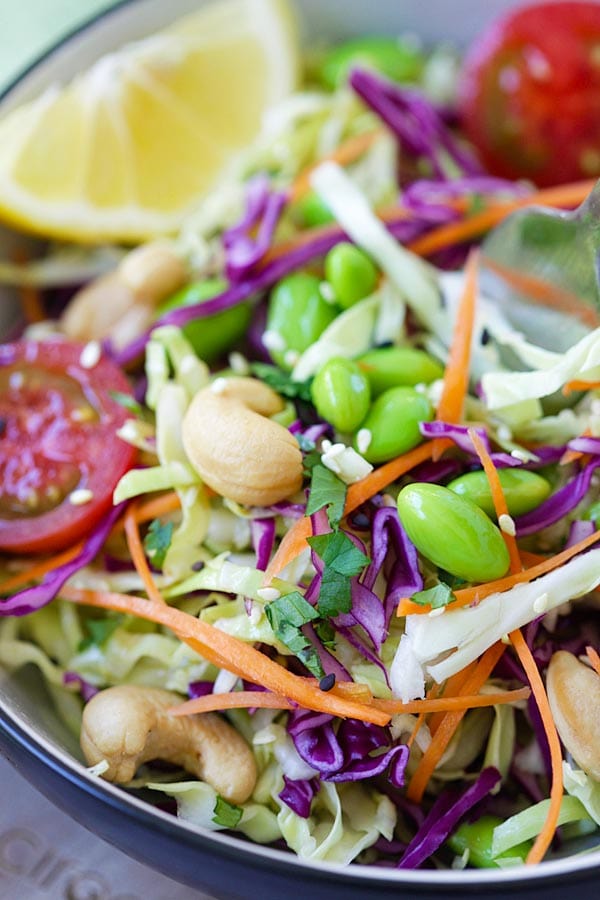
[(38, 747)]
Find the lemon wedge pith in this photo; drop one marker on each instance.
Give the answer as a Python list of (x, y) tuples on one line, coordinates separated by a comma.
[(126, 149)]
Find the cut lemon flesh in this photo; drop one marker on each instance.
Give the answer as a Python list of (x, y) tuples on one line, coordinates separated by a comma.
[(128, 148)]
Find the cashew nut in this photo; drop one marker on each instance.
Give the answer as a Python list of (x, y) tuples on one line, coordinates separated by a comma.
[(574, 697), (239, 452), (129, 725), (121, 304)]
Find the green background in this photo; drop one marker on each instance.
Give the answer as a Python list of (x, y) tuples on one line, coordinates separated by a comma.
[(28, 27)]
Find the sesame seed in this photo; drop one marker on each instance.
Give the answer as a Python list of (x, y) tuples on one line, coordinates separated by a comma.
[(291, 357), (80, 496), (188, 364), (363, 440), (520, 455), (268, 594), (504, 433), (507, 524), (272, 340), (540, 604), (327, 682), (238, 363), (327, 292), (219, 385), (434, 613), (505, 639), (90, 355)]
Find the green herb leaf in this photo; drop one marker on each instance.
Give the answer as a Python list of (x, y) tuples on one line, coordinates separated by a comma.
[(99, 631), (226, 814), (129, 403), (157, 541), (281, 382), (342, 561), (326, 633), (326, 489), (306, 445), (437, 596), (286, 616)]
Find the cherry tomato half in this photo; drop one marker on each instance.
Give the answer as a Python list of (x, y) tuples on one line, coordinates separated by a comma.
[(529, 93), (58, 426)]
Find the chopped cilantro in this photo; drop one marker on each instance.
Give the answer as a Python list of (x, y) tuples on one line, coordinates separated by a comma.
[(342, 561), (99, 631), (306, 445), (226, 814), (326, 633), (326, 489), (286, 617), (437, 596), (158, 541), (282, 382)]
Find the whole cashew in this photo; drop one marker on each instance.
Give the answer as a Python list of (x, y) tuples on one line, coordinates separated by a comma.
[(239, 452), (574, 697), (129, 725), (121, 304)]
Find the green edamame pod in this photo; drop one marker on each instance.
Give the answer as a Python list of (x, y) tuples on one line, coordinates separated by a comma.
[(477, 837), (399, 60), (298, 314), (340, 393), (350, 273), (310, 211), (213, 335), (523, 490), (392, 424), (453, 532), (388, 367)]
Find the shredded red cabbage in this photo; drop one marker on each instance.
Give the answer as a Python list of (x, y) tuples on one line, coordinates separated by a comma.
[(559, 504), (444, 816), (585, 444), (86, 689), (458, 434), (262, 533), (263, 209), (414, 120), (199, 689), (390, 541), (33, 598), (299, 794)]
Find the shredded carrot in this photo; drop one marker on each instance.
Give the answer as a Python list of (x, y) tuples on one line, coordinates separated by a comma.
[(229, 652), (456, 376), (452, 233), (354, 691), (467, 596), (570, 456), (157, 507), (544, 838), (347, 152), (451, 688), (444, 734), (593, 657), (232, 700), (294, 541), (581, 385), (463, 702), (138, 556), (39, 569), (498, 499), (432, 694)]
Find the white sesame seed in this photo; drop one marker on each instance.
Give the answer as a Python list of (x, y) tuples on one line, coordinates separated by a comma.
[(238, 363), (90, 355), (520, 455), (188, 364), (326, 445), (327, 292), (507, 524), (272, 340), (291, 357), (505, 639), (540, 604), (100, 768), (219, 385), (363, 440), (268, 594), (504, 433), (80, 496), (434, 613)]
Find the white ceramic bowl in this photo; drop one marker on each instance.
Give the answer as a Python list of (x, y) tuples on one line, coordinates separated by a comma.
[(33, 738)]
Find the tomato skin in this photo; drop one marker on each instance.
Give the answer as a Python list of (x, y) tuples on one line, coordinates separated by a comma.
[(529, 93), (58, 434)]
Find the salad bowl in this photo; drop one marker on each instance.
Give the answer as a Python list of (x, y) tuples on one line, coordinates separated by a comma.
[(32, 736)]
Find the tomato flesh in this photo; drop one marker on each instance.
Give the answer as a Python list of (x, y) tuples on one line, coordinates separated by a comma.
[(529, 93), (58, 424)]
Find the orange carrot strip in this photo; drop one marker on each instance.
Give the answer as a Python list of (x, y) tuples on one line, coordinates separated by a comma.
[(593, 658), (294, 541), (462, 702), (467, 596), (447, 729), (452, 688), (157, 507), (580, 385), (570, 456), (498, 498), (138, 556), (229, 652), (567, 196), (544, 838), (232, 700), (456, 376), (39, 569), (432, 694), (347, 152)]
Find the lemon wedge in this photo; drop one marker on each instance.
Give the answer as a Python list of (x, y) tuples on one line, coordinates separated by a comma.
[(125, 150)]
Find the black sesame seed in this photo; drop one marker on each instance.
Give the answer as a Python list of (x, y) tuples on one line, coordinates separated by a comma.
[(327, 682)]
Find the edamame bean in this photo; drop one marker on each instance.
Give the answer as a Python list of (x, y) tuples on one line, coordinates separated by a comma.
[(388, 367), (399, 60), (523, 490), (310, 211), (350, 273), (477, 837), (213, 335), (341, 394), (297, 316), (452, 532), (392, 424)]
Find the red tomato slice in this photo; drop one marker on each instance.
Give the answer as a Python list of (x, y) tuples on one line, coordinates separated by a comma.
[(58, 426), (529, 93)]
